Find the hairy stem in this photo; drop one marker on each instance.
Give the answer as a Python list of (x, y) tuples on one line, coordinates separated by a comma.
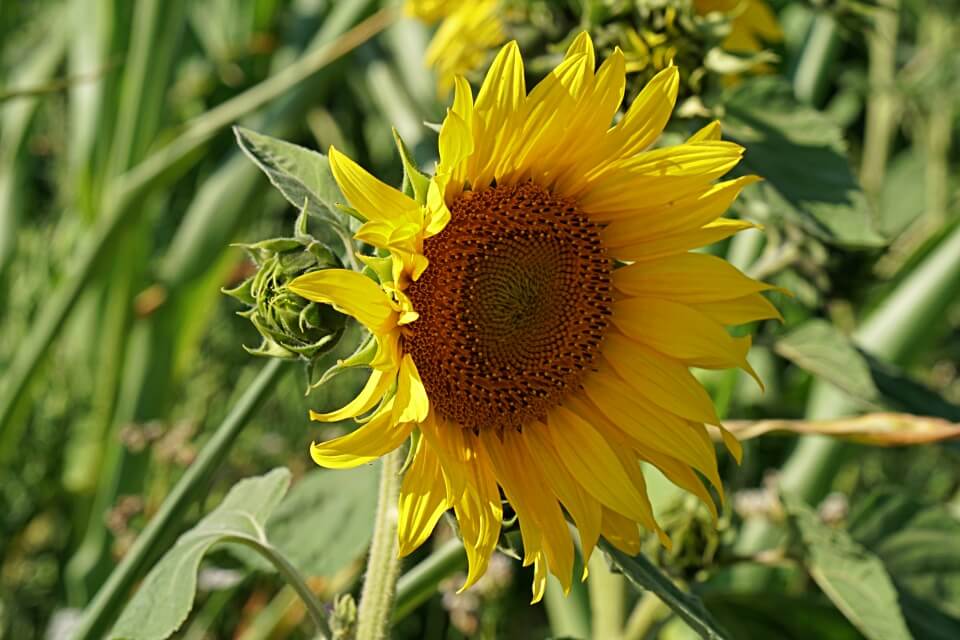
[(383, 565)]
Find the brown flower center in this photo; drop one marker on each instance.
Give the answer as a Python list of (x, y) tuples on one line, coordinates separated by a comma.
[(513, 306)]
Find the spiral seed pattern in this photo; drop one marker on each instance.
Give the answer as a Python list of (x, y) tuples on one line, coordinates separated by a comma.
[(513, 306)]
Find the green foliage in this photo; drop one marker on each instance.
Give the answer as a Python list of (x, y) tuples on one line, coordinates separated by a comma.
[(165, 598), (854, 579)]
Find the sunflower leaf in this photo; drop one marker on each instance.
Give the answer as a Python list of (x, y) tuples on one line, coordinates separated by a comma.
[(645, 576), (165, 598), (300, 174), (854, 579)]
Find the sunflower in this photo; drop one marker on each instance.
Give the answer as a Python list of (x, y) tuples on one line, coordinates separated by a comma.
[(468, 32), (535, 311)]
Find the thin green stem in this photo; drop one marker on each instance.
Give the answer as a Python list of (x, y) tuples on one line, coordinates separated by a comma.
[(811, 75), (882, 103), (648, 612), (420, 583), (607, 590), (128, 191), (383, 565), (166, 522), (294, 579)]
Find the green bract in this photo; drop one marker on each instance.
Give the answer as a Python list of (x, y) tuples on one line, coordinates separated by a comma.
[(291, 326)]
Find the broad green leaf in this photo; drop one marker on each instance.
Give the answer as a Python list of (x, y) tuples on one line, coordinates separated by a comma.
[(801, 154), (784, 616), (920, 545), (163, 601), (326, 521), (854, 579), (820, 348), (300, 174), (645, 576)]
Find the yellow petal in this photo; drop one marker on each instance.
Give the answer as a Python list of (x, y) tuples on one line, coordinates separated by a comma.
[(678, 212), (749, 308), (377, 437), (621, 532), (372, 393), (681, 332), (709, 132), (456, 142), (371, 197), (523, 490), (479, 514), (582, 45), (647, 116), (647, 424), (423, 499), (594, 464), (683, 241), (662, 380), (498, 101), (688, 278), (411, 403), (584, 508), (351, 293)]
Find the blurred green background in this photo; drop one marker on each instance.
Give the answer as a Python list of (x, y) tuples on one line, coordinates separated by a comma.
[(122, 189)]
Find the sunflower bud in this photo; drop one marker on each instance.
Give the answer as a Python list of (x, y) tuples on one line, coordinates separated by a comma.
[(291, 326)]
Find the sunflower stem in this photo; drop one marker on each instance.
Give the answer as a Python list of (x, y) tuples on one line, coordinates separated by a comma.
[(648, 612), (383, 565), (607, 590)]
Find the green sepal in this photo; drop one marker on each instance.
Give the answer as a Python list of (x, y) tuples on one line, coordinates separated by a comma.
[(413, 178)]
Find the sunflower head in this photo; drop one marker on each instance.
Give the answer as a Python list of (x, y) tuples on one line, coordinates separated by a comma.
[(291, 326), (536, 311)]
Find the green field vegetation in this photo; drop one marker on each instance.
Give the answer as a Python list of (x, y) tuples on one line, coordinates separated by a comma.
[(127, 397)]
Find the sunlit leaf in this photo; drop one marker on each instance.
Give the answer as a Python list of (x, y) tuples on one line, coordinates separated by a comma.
[(164, 600), (854, 579)]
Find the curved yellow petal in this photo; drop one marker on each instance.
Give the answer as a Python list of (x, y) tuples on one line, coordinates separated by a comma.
[(372, 392), (525, 494), (621, 532), (709, 132), (411, 403), (351, 293), (368, 195), (479, 513), (584, 508), (500, 97), (423, 499), (376, 438), (582, 45), (662, 380)]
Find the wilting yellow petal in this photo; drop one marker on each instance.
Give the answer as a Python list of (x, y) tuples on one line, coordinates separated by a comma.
[(423, 499), (740, 310), (621, 532), (372, 392), (351, 293), (377, 437)]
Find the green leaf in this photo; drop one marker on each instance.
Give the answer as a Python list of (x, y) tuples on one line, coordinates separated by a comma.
[(166, 597), (854, 579), (300, 174), (801, 154), (920, 545), (784, 616), (820, 348), (645, 576), (326, 521)]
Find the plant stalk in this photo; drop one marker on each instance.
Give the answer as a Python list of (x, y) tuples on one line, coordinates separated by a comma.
[(128, 191), (104, 606), (607, 591), (882, 103), (420, 583), (383, 564)]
